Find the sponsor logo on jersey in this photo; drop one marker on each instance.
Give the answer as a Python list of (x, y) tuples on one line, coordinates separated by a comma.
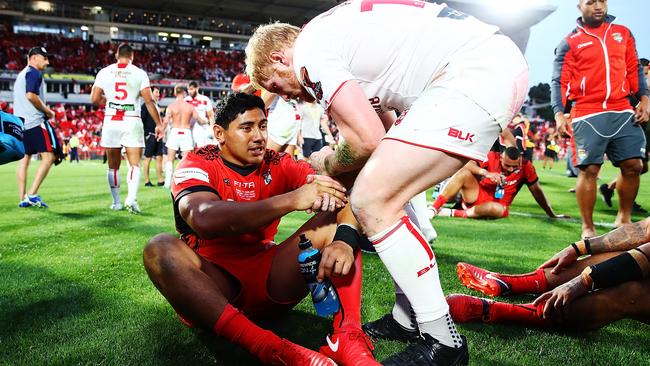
[(464, 136), (617, 37), (227, 182), (448, 12), (316, 88), (585, 44), (122, 107)]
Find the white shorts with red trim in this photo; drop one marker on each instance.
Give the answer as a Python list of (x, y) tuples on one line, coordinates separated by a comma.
[(180, 139), (465, 109), (202, 135), (120, 132)]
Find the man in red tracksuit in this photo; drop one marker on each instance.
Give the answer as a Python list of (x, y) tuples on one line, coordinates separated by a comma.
[(597, 70)]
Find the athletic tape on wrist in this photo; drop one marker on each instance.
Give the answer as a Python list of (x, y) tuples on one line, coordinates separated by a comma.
[(614, 271), (348, 234)]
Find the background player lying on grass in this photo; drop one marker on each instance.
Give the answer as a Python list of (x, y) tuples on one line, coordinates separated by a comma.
[(227, 206), (609, 284), (478, 185)]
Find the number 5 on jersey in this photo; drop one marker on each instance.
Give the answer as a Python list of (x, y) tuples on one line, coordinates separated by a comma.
[(120, 90)]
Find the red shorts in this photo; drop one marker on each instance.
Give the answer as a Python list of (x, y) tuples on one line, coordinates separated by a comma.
[(252, 272), (483, 197)]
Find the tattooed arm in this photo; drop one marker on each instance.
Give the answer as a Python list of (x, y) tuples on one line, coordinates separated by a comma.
[(626, 237)]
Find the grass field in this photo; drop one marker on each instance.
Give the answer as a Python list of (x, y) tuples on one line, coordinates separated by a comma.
[(73, 289)]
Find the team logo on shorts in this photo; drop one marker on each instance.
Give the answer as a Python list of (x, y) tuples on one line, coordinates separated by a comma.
[(582, 154), (317, 90), (617, 37), (267, 177)]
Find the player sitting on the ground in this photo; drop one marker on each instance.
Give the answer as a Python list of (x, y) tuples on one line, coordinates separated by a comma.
[(227, 205), (489, 189), (610, 284)]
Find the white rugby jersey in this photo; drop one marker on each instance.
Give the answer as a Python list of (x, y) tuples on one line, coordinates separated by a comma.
[(395, 49), (122, 84), (201, 103)]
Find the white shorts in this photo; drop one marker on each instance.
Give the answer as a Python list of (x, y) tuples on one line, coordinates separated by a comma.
[(180, 139), (283, 124), (464, 111), (127, 132), (203, 135)]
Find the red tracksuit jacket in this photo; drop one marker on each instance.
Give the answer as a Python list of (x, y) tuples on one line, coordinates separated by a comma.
[(596, 69)]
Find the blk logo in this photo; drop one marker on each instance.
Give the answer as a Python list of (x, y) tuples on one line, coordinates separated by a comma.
[(465, 136)]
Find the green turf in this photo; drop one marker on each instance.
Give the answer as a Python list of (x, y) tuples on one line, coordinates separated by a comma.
[(73, 289)]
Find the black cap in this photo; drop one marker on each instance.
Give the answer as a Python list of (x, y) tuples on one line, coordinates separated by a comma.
[(38, 51)]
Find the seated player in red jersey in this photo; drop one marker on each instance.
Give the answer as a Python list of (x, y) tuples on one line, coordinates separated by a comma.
[(479, 186), (580, 293), (226, 269)]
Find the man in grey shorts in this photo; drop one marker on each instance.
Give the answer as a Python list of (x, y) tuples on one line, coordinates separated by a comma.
[(596, 69)]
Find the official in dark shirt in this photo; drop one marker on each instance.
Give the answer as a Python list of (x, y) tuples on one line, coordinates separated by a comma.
[(152, 147)]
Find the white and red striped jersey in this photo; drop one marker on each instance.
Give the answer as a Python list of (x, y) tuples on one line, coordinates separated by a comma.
[(201, 103), (122, 84)]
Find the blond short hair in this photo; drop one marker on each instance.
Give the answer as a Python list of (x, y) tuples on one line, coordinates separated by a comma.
[(266, 39)]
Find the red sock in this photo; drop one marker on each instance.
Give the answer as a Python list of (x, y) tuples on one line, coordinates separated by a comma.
[(501, 312), (440, 200), (237, 328), (349, 290), (529, 283), (459, 213)]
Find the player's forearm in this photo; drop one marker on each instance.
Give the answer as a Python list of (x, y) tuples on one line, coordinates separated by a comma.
[(626, 237), (222, 218), (475, 169), (345, 159), (541, 200)]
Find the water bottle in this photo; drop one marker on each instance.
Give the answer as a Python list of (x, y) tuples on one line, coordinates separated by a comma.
[(498, 192), (323, 294)]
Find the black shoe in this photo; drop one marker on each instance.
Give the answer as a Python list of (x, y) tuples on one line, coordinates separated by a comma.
[(606, 194), (636, 208), (387, 328), (148, 184), (160, 184), (427, 351)]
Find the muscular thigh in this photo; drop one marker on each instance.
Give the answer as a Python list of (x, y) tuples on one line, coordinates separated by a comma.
[(285, 282)]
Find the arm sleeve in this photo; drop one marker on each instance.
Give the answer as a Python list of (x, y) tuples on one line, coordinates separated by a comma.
[(321, 72), (562, 70), (145, 81), (33, 80), (530, 173), (635, 77), (192, 172)]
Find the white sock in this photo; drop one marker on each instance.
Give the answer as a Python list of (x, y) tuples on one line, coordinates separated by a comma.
[(419, 204), (446, 212), (133, 183), (114, 183), (411, 263), (402, 311), (169, 170)]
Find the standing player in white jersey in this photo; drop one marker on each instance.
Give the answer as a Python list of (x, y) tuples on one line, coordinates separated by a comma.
[(201, 131), (119, 87), (364, 59)]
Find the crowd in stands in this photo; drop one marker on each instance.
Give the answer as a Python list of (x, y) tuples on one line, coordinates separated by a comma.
[(73, 55)]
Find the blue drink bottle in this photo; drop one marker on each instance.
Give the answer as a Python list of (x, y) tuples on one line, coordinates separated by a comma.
[(323, 294)]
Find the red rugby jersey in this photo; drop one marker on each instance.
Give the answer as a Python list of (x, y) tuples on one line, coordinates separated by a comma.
[(526, 174), (205, 170)]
